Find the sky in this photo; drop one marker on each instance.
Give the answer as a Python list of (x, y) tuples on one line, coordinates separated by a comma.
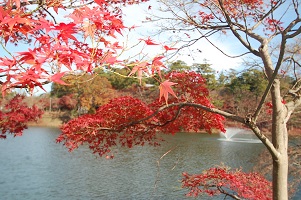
[(203, 50), (135, 14)]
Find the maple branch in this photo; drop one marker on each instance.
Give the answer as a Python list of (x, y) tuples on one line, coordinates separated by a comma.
[(72, 6), (237, 56), (5, 49), (292, 61), (206, 37), (173, 119), (247, 121), (297, 31), (49, 14), (273, 8), (234, 30), (212, 110), (272, 77), (226, 193)]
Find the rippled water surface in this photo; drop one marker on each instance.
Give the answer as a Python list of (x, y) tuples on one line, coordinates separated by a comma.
[(35, 167)]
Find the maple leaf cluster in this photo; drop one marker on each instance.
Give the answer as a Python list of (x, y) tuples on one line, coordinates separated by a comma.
[(116, 123), (14, 116), (192, 89), (127, 121), (85, 40), (56, 46), (235, 183)]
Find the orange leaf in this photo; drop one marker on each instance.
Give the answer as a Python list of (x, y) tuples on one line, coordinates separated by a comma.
[(139, 69), (165, 88)]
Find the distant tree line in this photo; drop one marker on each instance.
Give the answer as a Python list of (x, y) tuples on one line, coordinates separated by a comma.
[(234, 91)]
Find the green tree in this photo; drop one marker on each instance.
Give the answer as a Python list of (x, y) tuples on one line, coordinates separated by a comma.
[(90, 91), (118, 77), (241, 92), (178, 65), (208, 73)]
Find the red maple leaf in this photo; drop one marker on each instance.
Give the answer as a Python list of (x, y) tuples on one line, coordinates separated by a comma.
[(111, 60), (167, 48), (149, 41), (157, 61), (7, 63), (57, 78), (66, 31), (165, 89), (101, 2), (28, 56), (11, 22)]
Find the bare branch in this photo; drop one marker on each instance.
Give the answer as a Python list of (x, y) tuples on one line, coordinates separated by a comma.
[(236, 34), (237, 56)]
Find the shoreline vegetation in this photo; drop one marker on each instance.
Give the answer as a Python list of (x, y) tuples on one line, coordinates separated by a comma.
[(51, 119)]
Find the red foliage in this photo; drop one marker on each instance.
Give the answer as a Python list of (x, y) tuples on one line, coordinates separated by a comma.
[(52, 41), (67, 102), (127, 121), (14, 116), (149, 41), (116, 123), (192, 89), (220, 180)]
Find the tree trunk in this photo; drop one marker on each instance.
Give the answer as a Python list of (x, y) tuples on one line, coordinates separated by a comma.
[(280, 142), (280, 170)]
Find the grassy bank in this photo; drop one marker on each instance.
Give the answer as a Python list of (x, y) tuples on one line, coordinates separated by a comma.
[(49, 119)]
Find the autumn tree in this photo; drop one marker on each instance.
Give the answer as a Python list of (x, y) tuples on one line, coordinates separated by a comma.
[(67, 102), (118, 77), (259, 27), (232, 183), (15, 114), (88, 91), (128, 121), (86, 40)]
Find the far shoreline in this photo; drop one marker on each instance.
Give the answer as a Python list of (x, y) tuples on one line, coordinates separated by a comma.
[(48, 120)]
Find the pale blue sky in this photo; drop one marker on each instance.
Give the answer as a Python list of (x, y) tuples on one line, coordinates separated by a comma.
[(136, 14)]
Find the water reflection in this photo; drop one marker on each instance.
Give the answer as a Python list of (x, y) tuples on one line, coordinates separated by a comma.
[(35, 167)]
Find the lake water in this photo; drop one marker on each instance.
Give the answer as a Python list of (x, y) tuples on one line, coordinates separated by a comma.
[(35, 167)]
